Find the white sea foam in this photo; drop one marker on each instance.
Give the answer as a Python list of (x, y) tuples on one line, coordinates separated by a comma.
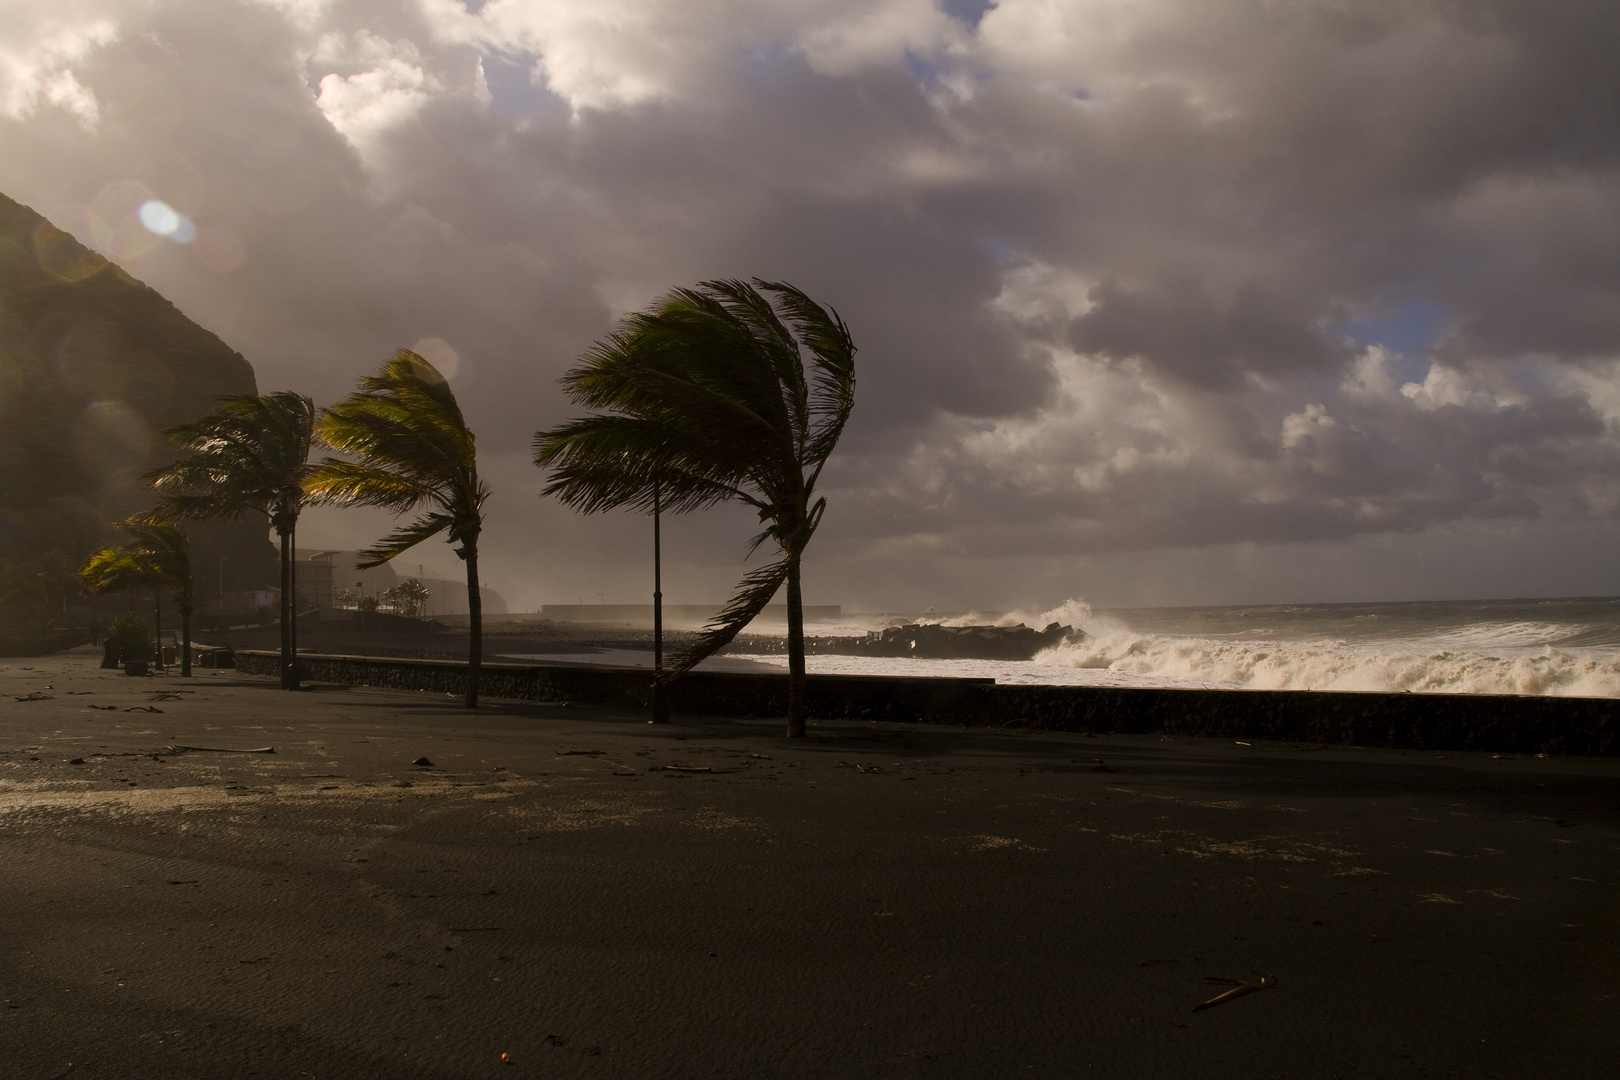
[(1417, 648), (1340, 666)]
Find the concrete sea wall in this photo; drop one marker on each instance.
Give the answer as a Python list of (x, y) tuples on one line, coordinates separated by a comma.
[(1498, 723)]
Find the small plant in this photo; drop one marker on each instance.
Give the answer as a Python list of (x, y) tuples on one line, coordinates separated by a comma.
[(132, 636), (408, 598)]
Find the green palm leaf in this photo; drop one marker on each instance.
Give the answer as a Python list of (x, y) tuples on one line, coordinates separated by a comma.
[(156, 556), (249, 456), (409, 448), (705, 398)]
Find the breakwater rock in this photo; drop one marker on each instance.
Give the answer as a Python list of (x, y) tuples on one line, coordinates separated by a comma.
[(932, 641)]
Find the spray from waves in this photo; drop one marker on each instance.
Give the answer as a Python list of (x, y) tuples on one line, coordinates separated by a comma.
[(1558, 650), (1339, 666), (1072, 612)]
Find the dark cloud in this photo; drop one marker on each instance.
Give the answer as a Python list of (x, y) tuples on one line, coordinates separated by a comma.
[(1174, 274), (1182, 332)]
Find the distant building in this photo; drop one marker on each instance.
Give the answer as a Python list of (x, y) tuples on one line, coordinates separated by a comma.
[(446, 596), (315, 576)]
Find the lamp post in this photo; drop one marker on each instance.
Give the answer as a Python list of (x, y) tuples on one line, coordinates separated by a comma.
[(660, 704), (157, 618)]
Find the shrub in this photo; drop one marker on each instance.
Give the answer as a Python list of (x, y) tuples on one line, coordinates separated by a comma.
[(133, 637)]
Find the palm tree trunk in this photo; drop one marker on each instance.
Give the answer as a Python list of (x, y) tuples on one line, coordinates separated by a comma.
[(796, 679), (286, 602), (475, 622), (157, 624), (292, 581), (185, 641)]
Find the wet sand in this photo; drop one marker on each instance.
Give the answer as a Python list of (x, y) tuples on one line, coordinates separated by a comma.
[(594, 896)]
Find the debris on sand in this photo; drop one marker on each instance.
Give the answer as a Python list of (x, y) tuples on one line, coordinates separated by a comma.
[(423, 762), (1239, 988), (179, 748)]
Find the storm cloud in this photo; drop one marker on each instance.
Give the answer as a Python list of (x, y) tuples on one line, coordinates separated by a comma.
[(1163, 300)]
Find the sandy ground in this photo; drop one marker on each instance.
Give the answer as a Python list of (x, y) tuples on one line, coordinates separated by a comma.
[(874, 901)]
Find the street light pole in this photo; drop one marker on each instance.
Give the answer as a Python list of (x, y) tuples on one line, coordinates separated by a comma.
[(660, 704)]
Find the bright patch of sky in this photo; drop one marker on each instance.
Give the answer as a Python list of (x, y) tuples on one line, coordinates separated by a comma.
[(512, 87), (1409, 333), (41, 69)]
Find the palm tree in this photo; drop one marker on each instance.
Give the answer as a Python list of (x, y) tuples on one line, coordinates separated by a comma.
[(707, 399), (156, 556), (251, 455), (414, 450)]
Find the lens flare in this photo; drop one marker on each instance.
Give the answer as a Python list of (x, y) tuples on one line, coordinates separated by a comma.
[(116, 229), (159, 217), (164, 220), (440, 353)]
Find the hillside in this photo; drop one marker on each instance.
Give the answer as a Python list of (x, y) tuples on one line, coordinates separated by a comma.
[(94, 365)]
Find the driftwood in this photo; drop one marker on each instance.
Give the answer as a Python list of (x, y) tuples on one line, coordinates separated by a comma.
[(1239, 988), (181, 747)]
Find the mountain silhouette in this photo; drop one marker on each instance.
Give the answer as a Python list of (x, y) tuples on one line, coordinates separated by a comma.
[(94, 366)]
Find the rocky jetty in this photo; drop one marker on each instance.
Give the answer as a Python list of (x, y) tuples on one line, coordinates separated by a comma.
[(933, 641)]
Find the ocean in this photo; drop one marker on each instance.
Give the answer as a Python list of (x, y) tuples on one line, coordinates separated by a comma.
[(1563, 647)]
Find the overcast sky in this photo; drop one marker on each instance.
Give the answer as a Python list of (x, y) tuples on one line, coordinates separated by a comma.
[(1158, 302)]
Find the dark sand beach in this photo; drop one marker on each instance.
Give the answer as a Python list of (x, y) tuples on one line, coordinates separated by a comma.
[(594, 896)]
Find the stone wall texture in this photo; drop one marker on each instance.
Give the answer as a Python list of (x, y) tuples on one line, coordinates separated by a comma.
[(1497, 723)]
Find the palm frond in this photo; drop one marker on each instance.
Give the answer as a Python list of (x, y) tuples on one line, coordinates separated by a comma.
[(412, 448), (704, 397), (772, 341), (156, 555), (166, 547), (117, 569), (825, 335), (250, 454), (753, 593), (350, 483), (606, 462), (403, 538)]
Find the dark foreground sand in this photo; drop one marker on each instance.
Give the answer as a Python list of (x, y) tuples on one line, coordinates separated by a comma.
[(875, 901)]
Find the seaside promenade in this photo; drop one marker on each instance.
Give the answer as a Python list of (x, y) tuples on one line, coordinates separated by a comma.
[(592, 896)]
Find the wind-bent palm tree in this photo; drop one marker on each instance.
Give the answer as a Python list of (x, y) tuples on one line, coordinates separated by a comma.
[(707, 400), (413, 449), (251, 455), (156, 556)]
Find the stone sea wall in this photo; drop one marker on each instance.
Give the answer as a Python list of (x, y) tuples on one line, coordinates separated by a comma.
[(1501, 724)]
